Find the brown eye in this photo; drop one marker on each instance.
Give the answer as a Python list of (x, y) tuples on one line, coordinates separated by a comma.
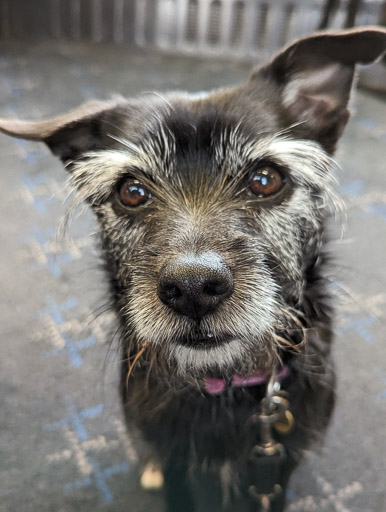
[(133, 194), (265, 182)]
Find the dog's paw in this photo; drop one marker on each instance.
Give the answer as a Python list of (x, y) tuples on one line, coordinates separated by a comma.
[(152, 478)]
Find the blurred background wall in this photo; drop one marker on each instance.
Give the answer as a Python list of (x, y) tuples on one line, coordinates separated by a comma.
[(243, 29)]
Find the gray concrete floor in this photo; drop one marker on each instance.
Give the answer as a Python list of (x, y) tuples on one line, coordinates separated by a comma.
[(62, 441)]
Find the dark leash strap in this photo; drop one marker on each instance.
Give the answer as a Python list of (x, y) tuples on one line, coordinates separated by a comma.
[(267, 489), (268, 455)]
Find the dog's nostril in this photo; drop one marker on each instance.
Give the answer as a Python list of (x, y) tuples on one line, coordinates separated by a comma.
[(214, 288), (171, 291)]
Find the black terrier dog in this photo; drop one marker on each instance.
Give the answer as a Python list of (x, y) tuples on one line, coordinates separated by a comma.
[(212, 212)]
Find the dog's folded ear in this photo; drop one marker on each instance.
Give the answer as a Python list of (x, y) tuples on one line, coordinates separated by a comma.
[(314, 77), (70, 135)]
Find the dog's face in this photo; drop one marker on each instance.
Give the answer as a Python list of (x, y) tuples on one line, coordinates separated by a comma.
[(209, 218), (212, 206)]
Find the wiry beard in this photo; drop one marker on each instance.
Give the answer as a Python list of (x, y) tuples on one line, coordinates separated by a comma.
[(240, 355)]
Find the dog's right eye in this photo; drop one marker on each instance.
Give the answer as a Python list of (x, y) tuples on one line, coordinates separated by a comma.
[(265, 181), (133, 194)]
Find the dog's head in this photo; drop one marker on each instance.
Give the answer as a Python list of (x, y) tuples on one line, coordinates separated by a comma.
[(211, 206)]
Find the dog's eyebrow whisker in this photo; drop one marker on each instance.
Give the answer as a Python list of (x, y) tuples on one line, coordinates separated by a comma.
[(287, 130), (159, 96), (115, 126), (125, 143)]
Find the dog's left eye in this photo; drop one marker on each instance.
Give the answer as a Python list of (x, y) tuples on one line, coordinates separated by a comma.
[(133, 194), (265, 181)]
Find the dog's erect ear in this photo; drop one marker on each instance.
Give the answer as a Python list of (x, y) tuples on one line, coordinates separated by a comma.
[(70, 135), (314, 77)]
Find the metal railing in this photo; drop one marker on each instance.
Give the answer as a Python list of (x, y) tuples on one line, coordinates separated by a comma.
[(240, 28)]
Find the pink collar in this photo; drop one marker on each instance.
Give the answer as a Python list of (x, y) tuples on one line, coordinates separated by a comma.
[(217, 386)]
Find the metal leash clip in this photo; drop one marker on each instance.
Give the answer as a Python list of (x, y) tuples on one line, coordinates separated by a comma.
[(274, 412), (269, 453)]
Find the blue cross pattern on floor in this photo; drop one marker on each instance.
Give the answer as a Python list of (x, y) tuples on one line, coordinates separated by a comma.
[(95, 475), (31, 155), (329, 498), (39, 200), (379, 210), (361, 326), (372, 127), (356, 189), (71, 347), (85, 81), (41, 238)]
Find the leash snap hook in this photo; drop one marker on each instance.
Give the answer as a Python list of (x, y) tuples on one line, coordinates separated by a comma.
[(267, 446), (274, 413)]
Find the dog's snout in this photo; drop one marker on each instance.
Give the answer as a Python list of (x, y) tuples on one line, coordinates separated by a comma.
[(195, 285)]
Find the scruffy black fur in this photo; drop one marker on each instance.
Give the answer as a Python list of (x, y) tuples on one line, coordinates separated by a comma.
[(212, 212)]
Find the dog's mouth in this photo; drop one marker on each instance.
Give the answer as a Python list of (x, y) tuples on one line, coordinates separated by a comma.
[(203, 341)]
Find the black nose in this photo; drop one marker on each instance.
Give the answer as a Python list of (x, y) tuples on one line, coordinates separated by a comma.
[(195, 285)]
